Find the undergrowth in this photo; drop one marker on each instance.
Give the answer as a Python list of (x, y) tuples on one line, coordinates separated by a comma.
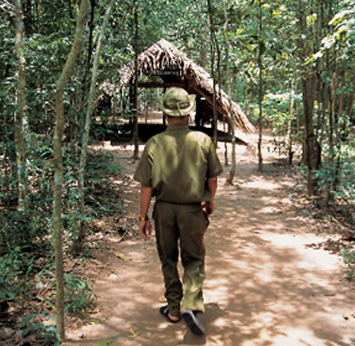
[(27, 279)]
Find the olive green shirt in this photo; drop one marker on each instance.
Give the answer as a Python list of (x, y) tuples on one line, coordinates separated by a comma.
[(177, 163)]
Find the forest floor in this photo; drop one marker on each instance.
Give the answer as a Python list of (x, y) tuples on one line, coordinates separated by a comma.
[(274, 273)]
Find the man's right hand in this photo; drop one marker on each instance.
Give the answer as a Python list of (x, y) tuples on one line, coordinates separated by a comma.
[(208, 207)]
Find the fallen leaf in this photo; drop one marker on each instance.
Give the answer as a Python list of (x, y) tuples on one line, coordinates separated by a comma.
[(97, 320), (8, 332), (93, 310), (69, 265), (330, 294), (121, 256), (133, 333), (43, 294), (17, 337), (99, 264)]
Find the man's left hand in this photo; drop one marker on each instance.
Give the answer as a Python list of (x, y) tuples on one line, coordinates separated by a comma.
[(145, 229)]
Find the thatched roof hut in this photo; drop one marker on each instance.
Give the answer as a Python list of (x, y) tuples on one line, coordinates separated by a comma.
[(174, 68)]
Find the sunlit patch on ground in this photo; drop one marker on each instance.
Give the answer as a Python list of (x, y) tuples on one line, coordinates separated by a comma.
[(267, 282)]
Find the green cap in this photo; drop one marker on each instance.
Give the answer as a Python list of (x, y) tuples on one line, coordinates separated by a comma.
[(177, 102)]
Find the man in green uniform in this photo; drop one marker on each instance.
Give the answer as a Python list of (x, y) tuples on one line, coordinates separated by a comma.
[(179, 167)]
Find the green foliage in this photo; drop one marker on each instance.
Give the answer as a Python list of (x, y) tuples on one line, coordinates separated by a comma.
[(349, 259), (26, 232), (24, 235), (277, 111), (44, 335), (45, 56), (342, 176), (7, 95), (347, 178), (101, 166), (79, 296), (325, 178), (32, 229), (105, 342), (49, 34), (9, 273), (344, 24)]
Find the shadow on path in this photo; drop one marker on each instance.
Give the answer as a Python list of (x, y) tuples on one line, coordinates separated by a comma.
[(264, 285)]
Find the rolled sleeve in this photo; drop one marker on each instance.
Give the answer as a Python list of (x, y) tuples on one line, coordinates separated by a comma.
[(143, 173), (214, 165)]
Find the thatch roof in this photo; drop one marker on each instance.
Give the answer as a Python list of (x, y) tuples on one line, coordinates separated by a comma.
[(163, 59)]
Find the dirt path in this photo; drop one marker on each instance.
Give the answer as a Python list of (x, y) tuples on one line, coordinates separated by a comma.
[(266, 281)]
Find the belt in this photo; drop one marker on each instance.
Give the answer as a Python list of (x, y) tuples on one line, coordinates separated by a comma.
[(176, 203)]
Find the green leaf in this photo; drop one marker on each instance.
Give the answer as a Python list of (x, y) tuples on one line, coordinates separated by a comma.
[(105, 342)]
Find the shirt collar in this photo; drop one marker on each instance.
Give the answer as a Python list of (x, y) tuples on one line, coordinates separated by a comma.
[(177, 127)]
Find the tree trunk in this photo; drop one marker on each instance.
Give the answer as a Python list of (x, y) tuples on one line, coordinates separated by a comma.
[(20, 115), (261, 91), (85, 140), (91, 31), (213, 43), (290, 123), (58, 164), (135, 88), (203, 55), (231, 129), (339, 129), (351, 96), (312, 148), (332, 131)]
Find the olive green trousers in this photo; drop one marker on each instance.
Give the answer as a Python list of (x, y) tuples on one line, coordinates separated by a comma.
[(180, 229)]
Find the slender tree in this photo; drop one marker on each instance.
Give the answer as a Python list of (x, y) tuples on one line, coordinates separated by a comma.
[(290, 123), (85, 139), (261, 81), (91, 30), (135, 85), (20, 115), (58, 163), (229, 90), (213, 74), (312, 147)]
